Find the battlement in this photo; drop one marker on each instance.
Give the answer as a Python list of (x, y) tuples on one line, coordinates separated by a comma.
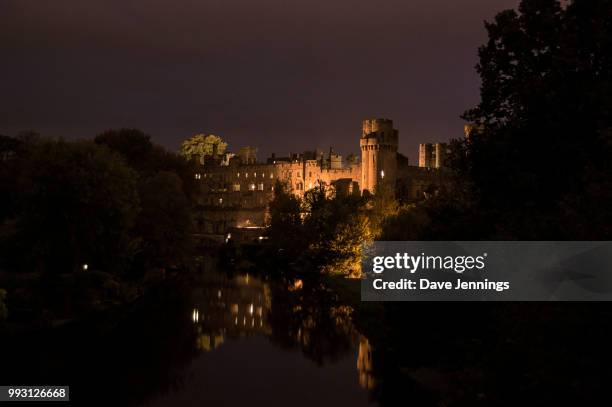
[(375, 126), (378, 134)]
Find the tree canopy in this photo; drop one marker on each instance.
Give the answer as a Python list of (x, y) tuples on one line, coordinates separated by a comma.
[(201, 146), (75, 203), (543, 145)]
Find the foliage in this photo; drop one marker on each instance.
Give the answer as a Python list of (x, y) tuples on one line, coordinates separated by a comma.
[(133, 145), (165, 223), (324, 231), (147, 158), (285, 220), (447, 215), (538, 165), (382, 205), (202, 146), (76, 204), (336, 227)]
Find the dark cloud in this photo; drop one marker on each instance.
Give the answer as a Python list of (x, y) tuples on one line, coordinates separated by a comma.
[(283, 75)]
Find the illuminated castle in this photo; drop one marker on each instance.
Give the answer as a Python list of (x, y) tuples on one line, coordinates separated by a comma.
[(236, 189), (379, 142)]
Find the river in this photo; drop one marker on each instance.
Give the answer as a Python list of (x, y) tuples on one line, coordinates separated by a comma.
[(220, 340)]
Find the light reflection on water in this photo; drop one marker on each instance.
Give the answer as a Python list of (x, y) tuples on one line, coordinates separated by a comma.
[(230, 316)]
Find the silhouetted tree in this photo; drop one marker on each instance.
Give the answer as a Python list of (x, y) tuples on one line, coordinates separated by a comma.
[(165, 224), (285, 220), (76, 204), (540, 159), (133, 145), (148, 158)]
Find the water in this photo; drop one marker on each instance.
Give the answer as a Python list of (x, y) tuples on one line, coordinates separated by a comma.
[(246, 341), (219, 340), (262, 343)]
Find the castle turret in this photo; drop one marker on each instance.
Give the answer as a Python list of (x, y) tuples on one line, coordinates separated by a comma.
[(379, 142)]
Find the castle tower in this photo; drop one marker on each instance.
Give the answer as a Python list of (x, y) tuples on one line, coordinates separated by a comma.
[(379, 141)]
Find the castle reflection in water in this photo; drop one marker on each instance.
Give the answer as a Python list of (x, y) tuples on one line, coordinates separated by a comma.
[(229, 308)]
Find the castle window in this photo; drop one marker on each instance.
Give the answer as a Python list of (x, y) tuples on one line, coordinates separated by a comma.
[(198, 176), (271, 175), (220, 201), (236, 188), (255, 174), (382, 174), (246, 175), (252, 187), (261, 187), (238, 175)]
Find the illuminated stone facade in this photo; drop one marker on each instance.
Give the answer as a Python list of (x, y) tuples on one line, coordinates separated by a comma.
[(433, 155), (236, 191), (379, 142)]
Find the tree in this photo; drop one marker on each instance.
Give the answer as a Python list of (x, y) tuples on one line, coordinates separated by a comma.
[(285, 211), (336, 227), (382, 205), (76, 205), (133, 145), (148, 159), (165, 224), (201, 146), (544, 121)]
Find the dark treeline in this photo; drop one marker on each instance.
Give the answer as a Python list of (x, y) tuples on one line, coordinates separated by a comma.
[(118, 206), (537, 164)]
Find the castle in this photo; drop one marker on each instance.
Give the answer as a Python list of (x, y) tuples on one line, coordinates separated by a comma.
[(236, 189)]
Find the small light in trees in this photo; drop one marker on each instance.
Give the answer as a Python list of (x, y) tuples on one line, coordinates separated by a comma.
[(85, 267), (382, 173)]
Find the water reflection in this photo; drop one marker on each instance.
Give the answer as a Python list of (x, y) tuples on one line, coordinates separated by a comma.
[(213, 340), (229, 307), (365, 365), (294, 314)]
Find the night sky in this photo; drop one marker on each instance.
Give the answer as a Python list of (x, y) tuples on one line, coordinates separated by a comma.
[(283, 75)]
